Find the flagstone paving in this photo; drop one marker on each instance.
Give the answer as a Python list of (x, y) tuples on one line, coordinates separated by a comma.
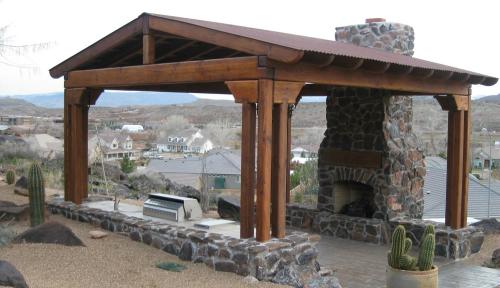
[(360, 265)]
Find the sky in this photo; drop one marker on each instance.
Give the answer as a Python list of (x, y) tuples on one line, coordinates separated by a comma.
[(462, 34)]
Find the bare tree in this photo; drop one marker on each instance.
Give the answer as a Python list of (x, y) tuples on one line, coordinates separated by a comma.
[(171, 124), (9, 50)]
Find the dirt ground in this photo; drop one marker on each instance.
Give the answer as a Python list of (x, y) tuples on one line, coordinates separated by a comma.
[(114, 261)]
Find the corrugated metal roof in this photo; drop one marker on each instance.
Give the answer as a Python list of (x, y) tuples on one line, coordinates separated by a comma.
[(318, 45), (435, 196), (271, 44)]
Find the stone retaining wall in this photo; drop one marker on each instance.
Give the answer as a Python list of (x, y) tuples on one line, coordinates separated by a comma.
[(291, 261), (452, 244)]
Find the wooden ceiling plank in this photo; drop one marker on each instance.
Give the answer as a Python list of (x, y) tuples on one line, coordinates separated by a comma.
[(101, 46), (236, 42), (197, 56), (175, 50)]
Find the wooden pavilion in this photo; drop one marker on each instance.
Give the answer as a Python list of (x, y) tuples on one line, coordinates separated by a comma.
[(265, 70)]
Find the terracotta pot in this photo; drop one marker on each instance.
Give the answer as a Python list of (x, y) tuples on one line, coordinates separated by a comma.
[(411, 279)]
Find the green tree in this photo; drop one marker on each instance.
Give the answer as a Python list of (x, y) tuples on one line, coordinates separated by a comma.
[(127, 165)]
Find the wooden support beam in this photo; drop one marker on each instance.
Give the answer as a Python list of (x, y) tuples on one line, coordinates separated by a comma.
[(264, 159), (287, 92), (358, 159), (76, 144), (217, 70), (247, 198), (466, 164), (289, 151), (453, 102), (455, 171), (279, 169), (334, 75), (148, 49), (245, 91)]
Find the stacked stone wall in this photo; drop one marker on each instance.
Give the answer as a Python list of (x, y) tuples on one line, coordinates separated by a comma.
[(291, 260)]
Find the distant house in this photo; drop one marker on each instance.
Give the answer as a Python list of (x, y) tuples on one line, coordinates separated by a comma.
[(221, 167), (16, 120), (114, 146), (435, 193), (188, 141), (132, 128), (481, 157), (302, 155)]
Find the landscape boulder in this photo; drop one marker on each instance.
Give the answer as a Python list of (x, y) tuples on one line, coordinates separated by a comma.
[(228, 207), (21, 186), (489, 226), (49, 233), (10, 276), (97, 234), (13, 211), (495, 258)]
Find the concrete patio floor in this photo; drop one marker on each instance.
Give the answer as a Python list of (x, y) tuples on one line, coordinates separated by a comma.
[(356, 264)]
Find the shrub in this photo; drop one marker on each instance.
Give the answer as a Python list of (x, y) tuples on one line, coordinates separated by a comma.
[(127, 165)]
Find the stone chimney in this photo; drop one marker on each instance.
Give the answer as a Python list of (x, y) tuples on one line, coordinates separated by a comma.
[(377, 33), (371, 124)]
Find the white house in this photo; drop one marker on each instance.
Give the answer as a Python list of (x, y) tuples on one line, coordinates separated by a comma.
[(132, 128), (188, 141), (302, 155), (114, 146)]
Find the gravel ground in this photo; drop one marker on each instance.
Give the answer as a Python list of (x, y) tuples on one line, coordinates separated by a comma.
[(114, 261)]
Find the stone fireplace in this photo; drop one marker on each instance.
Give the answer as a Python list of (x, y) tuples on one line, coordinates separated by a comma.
[(369, 155), (370, 167)]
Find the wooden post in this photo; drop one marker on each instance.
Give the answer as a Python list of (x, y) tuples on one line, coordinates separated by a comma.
[(289, 152), (466, 163), (279, 169), (455, 169), (246, 92), (247, 198), (148, 49), (264, 160), (75, 144), (76, 103)]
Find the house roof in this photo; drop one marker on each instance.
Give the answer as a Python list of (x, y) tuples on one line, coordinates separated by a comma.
[(183, 39), (435, 195), (222, 162), (108, 137)]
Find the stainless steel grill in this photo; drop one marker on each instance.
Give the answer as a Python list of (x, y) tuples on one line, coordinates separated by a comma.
[(171, 207)]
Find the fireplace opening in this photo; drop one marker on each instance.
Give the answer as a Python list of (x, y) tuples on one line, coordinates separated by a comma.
[(354, 199)]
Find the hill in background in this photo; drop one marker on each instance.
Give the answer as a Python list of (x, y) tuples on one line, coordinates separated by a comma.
[(112, 99)]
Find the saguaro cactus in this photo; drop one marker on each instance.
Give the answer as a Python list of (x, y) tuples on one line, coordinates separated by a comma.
[(10, 177), (36, 191), (426, 255)]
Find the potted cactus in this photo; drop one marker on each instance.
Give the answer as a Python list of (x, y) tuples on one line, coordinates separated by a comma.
[(407, 271)]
